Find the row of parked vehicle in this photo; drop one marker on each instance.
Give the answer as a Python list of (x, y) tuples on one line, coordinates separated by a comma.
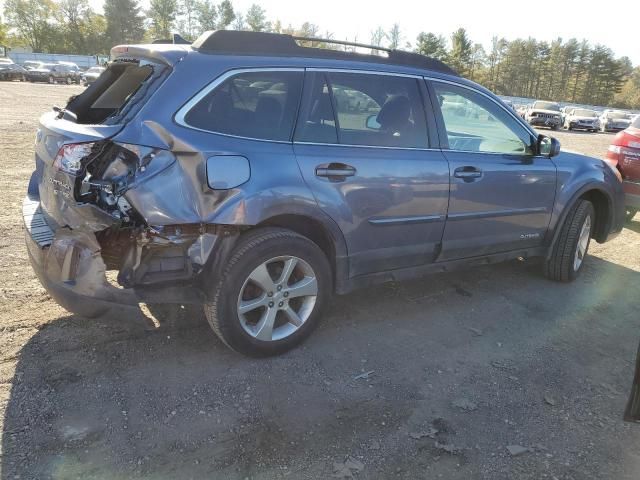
[(60, 72), (570, 117)]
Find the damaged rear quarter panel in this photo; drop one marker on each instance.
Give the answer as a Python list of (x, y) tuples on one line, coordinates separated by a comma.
[(180, 193)]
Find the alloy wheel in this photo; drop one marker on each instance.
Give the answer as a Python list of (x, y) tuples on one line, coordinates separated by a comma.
[(583, 243), (277, 298)]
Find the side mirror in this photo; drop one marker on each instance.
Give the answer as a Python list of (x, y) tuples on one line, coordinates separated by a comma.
[(372, 122), (548, 146)]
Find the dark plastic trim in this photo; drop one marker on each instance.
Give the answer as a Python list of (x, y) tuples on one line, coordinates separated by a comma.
[(278, 44)]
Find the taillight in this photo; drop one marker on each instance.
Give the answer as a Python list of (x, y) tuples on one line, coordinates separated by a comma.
[(70, 156)]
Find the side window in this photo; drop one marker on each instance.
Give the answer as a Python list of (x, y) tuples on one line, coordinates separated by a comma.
[(378, 110), (316, 123), (476, 124), (363, 109), (254, 104)]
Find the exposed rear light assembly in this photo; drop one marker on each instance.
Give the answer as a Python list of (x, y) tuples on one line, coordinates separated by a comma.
[(105, 170)]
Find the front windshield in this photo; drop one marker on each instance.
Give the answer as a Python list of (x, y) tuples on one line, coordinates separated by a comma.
[(95, 70), (584, 113), (547, 106), (617, 115)]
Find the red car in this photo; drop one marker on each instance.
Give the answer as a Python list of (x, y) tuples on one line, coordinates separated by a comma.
[(624, 154)]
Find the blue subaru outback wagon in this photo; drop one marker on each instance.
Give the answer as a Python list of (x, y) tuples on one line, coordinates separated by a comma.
[(257, 176)]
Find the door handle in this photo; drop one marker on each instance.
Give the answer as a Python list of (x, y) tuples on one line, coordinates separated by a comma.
[(335, 171), (467, 173)]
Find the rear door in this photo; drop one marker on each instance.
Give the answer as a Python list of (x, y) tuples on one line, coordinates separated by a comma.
[(362, 145), (502, 192)]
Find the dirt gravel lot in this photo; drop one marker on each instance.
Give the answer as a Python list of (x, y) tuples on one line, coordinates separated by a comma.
[(462, 366)]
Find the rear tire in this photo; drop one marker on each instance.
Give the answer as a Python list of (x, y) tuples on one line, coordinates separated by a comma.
[(630, 213), (570, 250), (269, 250), (69, 81)]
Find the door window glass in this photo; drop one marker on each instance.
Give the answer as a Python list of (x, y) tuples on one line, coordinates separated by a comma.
[(363, 109), (316, 123), (254, 104), (476, 124)]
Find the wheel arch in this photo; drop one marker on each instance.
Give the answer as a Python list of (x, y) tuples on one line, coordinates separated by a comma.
[(328, 238), (603, 205)]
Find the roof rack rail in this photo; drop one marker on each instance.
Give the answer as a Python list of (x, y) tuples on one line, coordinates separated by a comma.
[(278, 44), (342, 42)]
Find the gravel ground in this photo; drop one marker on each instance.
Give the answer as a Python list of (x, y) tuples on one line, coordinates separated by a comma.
[(491, 373)]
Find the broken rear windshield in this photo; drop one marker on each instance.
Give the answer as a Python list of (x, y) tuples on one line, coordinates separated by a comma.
[(107, 96)]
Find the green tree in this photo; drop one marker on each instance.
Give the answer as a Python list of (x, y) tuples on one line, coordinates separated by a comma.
[(162, 14), (460, 55), (3, 32), (434, 46), (33, 21), (394, 36), (124, 20), (256, 18), (188, 23), (226, 15), (207, 15)]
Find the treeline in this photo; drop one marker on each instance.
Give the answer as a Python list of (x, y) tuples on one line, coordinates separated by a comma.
[(571, 71)]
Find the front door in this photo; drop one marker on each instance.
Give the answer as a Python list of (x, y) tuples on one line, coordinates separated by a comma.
[(502, 192), (362, 145)]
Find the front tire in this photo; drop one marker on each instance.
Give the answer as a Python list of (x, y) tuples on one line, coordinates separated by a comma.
[(569, 251), (271, 294)]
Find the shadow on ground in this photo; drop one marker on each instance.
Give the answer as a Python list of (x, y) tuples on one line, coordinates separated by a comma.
[(461, 366)]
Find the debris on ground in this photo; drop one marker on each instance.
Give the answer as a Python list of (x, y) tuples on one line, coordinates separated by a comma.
[(549, 400), (347, 468), (431, 433), (515, 450), (476, 331), (464, 404), (364, 375), (449, 448)]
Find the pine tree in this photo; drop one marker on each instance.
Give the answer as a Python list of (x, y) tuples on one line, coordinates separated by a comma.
[(256, 18), (125, 23), (434, 46), (460, 55)]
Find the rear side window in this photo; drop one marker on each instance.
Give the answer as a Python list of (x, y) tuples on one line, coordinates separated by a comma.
[(363, 109), (259, 105)]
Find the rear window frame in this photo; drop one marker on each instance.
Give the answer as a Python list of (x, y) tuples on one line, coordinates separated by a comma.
[(180, 116)]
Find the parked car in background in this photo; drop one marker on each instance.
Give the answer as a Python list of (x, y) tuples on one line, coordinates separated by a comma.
[(5, 61), (544, 114), (522, 110), (90, 75), (582, 119), (30, 64), (54, 73), (614, 121), (624, 155), (12, 71), (564, 111), (189, 208), (40, 72)]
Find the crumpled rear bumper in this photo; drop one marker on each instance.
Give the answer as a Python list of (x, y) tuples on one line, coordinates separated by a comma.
[(69, 265)]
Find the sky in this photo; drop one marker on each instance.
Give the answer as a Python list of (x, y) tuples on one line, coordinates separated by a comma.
[(615, 26)]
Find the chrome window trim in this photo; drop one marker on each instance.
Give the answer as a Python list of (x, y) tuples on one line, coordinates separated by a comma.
[(511, 113), (320, 144), (366, 72), (182, 112)]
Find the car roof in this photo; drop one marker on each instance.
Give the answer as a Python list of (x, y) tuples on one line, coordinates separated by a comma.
[(276, 44)]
